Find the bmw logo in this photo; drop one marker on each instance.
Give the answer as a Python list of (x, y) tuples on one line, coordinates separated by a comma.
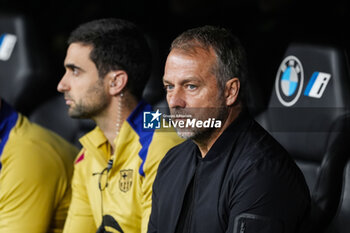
[(289, 81)]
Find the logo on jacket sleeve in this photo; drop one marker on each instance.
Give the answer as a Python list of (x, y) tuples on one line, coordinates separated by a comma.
[(125, 181), (289, 81)]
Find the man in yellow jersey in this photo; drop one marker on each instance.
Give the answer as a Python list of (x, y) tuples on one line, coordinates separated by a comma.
[(108, 63), (36, 167)]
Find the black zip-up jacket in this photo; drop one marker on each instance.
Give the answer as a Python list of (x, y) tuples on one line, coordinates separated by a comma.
[(246, 183)]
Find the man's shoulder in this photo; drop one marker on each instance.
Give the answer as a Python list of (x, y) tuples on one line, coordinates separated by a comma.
[(257, 140), (178, 160), (262, 152), (178, 155), (256, 147), (28, 137), (161, 143), (95, 132), (35, 157), (182, 148)]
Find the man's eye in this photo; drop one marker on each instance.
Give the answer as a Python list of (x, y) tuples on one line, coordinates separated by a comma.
[(191, 86), (168, 87), (75, 71)]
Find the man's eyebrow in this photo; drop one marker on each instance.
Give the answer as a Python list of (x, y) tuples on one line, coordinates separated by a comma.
[(186, 80), (72, 67), (165, 81)]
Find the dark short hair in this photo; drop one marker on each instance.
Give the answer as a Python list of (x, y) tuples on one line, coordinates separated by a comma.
[(117, 45), (231, 56)]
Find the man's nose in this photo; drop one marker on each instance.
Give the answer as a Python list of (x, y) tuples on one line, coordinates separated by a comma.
[(63, 84), (176, 99)]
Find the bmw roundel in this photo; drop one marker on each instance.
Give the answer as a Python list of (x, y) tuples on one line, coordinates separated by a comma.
[(289, 81)]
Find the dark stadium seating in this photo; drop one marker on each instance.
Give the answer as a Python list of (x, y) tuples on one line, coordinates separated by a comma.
[(26, 81), (308, 115), (341, 223), (24, 66)]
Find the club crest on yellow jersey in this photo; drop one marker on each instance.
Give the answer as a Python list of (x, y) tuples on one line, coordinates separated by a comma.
[(125, 181)]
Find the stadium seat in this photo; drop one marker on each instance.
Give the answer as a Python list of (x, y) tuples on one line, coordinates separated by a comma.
[(341, 223), (307, 114), (154, 92), (24, 64), (27, 80)]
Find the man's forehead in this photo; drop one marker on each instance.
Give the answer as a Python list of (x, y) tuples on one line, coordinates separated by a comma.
[(182, 63), (78, 52), (195, 50)]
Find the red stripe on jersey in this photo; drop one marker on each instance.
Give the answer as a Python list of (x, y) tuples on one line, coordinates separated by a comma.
[(81, 157)]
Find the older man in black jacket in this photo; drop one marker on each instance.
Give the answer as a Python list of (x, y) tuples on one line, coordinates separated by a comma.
[(230, 175)]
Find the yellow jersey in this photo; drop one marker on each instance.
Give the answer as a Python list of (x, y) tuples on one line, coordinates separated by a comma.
[(122, 202), (36, 169)]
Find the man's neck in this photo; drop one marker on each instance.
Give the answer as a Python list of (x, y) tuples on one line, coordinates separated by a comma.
[(206, 143), (107, 122)]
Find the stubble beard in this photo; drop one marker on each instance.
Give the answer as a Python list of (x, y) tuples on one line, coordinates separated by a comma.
[(91, 105), (202, 134)]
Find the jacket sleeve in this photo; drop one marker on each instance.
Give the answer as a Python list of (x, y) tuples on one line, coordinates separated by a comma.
[(267, 199), (80, 218), (147, 194), (161, 144), (153, 220)]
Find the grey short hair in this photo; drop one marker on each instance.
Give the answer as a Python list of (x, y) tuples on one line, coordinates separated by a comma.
[(231, 56)]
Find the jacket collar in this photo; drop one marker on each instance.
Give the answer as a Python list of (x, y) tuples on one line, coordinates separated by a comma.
[(97, 137), (228, 138)]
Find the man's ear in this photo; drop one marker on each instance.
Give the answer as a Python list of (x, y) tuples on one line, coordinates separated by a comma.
[(116, 81), (232, 88)]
